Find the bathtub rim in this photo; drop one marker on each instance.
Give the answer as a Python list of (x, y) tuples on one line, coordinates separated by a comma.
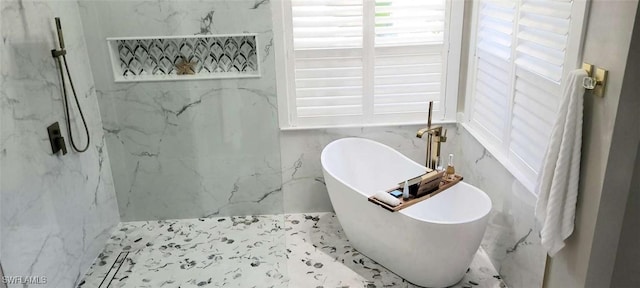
[(334, 142), (406, 212), (475, 189)]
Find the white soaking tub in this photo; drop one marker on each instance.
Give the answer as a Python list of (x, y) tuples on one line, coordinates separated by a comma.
[(430, 243)]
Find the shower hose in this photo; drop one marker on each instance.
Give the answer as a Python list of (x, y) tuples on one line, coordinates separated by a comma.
[(61, 54)]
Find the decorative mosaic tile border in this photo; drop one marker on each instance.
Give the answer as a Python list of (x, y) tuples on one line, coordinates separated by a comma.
[(184, 58)]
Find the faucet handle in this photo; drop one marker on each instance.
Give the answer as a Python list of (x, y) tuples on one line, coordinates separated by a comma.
[(443, 137)]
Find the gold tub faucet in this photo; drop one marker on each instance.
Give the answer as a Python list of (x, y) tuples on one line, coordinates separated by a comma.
[(435, 137)]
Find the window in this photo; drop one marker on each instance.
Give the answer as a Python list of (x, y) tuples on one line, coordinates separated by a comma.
[(366, 62), (520, 54)]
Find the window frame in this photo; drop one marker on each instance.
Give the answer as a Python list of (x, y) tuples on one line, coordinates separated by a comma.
[(573, 58), (285, 81)]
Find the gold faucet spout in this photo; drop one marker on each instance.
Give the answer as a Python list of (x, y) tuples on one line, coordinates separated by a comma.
[(422, 131), (433, 130)]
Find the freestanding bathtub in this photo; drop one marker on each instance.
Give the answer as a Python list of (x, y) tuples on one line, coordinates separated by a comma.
[(430, 243)]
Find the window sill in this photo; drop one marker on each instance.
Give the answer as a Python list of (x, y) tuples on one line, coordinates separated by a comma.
[(442, 122), (503, 160)]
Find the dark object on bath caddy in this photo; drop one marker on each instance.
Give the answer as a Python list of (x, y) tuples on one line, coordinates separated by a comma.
[(423, 184), (442, 185)]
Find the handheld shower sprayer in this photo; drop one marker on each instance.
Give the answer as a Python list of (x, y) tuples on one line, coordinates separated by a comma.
[(59, 29), (57, 54)]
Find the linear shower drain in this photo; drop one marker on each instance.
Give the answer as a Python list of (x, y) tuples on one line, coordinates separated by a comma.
[(113, 271)]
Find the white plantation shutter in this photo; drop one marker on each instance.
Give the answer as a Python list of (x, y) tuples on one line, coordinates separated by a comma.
[(534, 110), (543, 31), (543, 36), (327, 44), (360, 62), (493, 64), (409, 55), (523, 49)]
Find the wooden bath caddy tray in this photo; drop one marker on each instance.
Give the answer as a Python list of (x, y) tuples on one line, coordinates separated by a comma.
[(444, 185)]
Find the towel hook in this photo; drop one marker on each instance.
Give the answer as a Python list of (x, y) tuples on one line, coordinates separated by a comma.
[(595, 81)]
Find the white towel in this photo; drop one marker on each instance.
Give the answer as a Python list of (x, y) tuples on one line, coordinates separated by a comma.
[(558, 180), (387, 198)]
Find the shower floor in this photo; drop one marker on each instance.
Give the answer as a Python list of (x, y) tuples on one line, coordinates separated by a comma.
[(291, 250)]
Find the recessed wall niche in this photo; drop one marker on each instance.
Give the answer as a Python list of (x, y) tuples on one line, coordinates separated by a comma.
[(193, 57)]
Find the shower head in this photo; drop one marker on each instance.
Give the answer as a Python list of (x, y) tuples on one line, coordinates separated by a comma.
[(59, 28)]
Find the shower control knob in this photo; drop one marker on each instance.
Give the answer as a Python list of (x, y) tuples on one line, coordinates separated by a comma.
[(56, 139), (61, 145)]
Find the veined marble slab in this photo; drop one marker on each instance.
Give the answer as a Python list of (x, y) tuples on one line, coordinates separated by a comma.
[(292, 250), (196, 148), (56, 211), (512, 239)]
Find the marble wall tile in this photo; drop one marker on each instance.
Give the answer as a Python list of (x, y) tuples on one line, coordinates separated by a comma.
[(188, 149), (302, 180), (512, 239), (56, 212)]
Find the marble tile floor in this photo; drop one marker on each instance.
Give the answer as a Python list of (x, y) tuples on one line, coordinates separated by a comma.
[(290, 250)]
